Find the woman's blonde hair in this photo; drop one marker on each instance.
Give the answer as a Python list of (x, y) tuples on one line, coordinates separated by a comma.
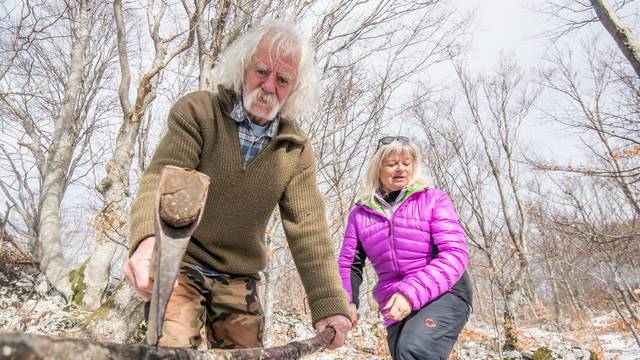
[(371, 182)]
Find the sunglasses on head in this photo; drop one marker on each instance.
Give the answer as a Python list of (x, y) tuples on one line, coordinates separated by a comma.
[(389, 139)]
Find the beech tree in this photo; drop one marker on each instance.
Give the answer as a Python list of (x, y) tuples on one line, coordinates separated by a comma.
[(111, 222), (574, 15), (53, 100), (473, 154)]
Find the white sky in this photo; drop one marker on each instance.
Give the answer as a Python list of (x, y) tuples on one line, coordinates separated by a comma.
[(514, 28), (505, 25)]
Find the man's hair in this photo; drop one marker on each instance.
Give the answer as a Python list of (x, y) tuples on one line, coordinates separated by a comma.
[(371, 182), (285, 40)]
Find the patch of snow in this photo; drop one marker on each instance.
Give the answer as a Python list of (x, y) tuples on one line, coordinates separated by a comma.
[(27, 306)]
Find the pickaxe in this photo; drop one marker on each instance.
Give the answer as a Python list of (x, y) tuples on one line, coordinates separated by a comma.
[(180, 201)]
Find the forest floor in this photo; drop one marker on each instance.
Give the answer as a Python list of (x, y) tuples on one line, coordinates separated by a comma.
[(25, 307)]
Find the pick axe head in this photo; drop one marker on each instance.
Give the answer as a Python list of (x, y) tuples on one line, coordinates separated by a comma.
[(180, 200)]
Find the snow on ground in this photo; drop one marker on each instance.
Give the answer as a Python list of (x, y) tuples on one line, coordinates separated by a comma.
[(25, 307)]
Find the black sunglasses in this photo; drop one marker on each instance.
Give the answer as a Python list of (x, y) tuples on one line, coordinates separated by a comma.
[(389, 139)]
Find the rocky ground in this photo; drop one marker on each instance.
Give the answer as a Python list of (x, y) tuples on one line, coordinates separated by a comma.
[(26, 306)]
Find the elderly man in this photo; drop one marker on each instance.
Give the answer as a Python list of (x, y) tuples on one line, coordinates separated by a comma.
[(243, 136)]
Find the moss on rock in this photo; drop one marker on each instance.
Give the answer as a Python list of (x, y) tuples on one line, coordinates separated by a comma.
[(542, 353), (78, 287)]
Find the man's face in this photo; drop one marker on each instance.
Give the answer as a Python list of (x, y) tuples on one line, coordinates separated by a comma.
[(269, 79)]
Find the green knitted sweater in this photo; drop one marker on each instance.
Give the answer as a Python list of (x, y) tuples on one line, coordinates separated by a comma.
[(230, 237)]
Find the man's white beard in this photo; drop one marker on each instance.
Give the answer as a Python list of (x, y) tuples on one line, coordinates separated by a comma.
[(270, 99)]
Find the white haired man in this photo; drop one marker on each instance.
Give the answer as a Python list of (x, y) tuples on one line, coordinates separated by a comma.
[(243, 136)]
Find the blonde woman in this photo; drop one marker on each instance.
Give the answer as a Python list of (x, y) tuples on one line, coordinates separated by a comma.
[(411, 234)]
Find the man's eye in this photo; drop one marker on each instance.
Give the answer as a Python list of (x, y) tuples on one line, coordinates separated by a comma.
[(261, 71), (283, 81)]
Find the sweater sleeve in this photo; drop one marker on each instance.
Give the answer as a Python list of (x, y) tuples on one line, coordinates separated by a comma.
[(303, 217), (180, 146), (441, 273), (351, 261)]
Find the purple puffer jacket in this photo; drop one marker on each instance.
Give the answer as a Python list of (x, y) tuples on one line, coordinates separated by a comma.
[(401, 249)]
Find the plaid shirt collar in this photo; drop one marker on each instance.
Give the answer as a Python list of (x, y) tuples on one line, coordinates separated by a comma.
[(239, 114), (251, 143)]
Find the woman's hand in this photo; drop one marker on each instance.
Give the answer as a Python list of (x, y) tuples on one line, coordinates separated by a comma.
[(400, 307)]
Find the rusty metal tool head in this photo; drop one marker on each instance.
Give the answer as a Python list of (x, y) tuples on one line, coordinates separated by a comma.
[(180, 200)]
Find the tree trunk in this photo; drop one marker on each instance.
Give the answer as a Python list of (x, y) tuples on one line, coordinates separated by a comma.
[(626, 320), (494, 313), (268, 303), (557, 304), (620, 32), (512, 302), (51, 258), (117, 319), (27, 346), (112, 221), (208, 59)]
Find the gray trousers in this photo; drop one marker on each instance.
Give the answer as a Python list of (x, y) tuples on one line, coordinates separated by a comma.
[(430, 332)]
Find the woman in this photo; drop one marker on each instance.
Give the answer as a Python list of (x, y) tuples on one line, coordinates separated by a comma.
[(412, 236)]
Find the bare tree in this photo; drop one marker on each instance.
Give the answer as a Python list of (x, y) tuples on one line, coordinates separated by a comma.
[(609, 128), (574, 15), (597, 242), (477, 162), (114, 188), (621, 33), (65, 88), (592, 207)]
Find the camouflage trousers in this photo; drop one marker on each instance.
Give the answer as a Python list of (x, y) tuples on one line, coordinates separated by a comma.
[(228, 306)]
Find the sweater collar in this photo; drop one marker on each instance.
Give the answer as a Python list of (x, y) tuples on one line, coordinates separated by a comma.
[(287, 130)]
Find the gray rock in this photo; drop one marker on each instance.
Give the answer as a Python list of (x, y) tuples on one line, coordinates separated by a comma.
[(512, 355), (527, 354), (42, 288), (24, 282), (581, 354)]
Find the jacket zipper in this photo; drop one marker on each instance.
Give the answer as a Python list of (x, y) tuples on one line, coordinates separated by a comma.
[(393, 245), (390, 232)]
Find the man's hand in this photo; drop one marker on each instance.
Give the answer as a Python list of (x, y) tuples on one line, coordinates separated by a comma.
[(340, 323), (400, 307), (137, 270), (353, 312)]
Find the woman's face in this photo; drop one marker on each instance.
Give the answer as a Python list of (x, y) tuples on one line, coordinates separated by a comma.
[(396, 171)]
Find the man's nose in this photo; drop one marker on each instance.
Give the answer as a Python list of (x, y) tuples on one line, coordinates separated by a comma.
[(269, 84)]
